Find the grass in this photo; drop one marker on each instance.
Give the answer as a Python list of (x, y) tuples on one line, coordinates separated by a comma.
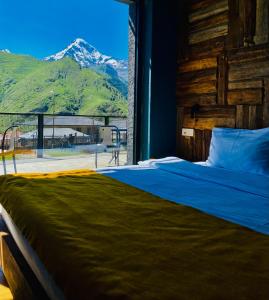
[(30, 85)]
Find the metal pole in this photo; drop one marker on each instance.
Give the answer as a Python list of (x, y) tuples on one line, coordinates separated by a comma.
[(40, 136), (106, 120), (3, 150), (52, 142)]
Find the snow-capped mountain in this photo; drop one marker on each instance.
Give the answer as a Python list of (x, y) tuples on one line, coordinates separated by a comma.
[(88, 56), (5, 50)]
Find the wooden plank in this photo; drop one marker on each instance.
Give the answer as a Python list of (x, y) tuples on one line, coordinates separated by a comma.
[(235, 39), (266, 103), (249, 21), (221, 19), (201, 144), (186, 148), (208, 123), (259, 116), (198, 145), (246, 96), (252, 117), (217, 111), (207, 48), (245, 55), (262, 22), (197, 76), (249, 71), (242, 116), (196, 65), (201, 4), (207, 140), (208, 34), (189, 101), (249, 84), (197, 88), (222, 80), (180, 116), (215, 8)]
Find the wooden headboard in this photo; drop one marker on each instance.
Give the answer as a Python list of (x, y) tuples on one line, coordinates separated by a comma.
[(223, 71)]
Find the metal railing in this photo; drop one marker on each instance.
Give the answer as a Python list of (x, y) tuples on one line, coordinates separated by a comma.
[(42, 132)]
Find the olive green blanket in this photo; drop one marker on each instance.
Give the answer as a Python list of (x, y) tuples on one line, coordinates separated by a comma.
[(102, 239)]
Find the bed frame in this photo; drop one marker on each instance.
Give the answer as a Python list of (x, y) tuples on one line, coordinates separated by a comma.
[(22, 281), (26, 275)]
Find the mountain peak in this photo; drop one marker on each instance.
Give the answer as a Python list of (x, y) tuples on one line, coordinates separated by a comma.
[(5, 51), (87, 56), (80, 41)]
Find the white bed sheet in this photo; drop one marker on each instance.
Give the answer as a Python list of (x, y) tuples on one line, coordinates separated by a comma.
[(241, 198)]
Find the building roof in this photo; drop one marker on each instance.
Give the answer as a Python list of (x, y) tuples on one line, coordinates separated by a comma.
[(77, 121), (120, 123), (73, 121), (58, 133)]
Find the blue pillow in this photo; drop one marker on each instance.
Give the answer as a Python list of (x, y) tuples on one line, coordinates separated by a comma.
[(240, 149)]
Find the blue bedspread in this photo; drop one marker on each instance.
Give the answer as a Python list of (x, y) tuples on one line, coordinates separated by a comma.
[(242, 198)]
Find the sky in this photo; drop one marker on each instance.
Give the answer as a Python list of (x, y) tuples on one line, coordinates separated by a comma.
[(43, 27)]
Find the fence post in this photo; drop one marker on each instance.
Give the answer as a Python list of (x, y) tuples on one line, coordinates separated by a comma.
[(106, 120), (40, 136)]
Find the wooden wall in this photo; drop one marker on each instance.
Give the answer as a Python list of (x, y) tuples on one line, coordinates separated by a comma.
[(223, 71)]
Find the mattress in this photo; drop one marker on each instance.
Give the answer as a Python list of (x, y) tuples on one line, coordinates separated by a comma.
[(242, 198), (100, 238)]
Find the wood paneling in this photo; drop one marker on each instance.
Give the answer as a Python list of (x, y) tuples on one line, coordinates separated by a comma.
[(196, 65), (245, 96), (196, 99), (248, 84), (222, 71), (213, 46), (244, 71), (207, 11), (266, 103), (220, 19), (210, 33), (262, 30), (222, 79)]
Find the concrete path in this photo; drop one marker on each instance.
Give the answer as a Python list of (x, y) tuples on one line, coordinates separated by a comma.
[(49, 164)]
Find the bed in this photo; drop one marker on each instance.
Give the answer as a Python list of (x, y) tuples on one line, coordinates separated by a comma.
[(164, 229)]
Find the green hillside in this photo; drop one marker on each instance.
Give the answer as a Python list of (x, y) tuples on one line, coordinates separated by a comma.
[(30, 85)]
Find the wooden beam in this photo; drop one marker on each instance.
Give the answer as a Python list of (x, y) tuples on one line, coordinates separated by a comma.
[(222, 80), (249, 20), (241, 116), (235, 37), (262, 22)]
